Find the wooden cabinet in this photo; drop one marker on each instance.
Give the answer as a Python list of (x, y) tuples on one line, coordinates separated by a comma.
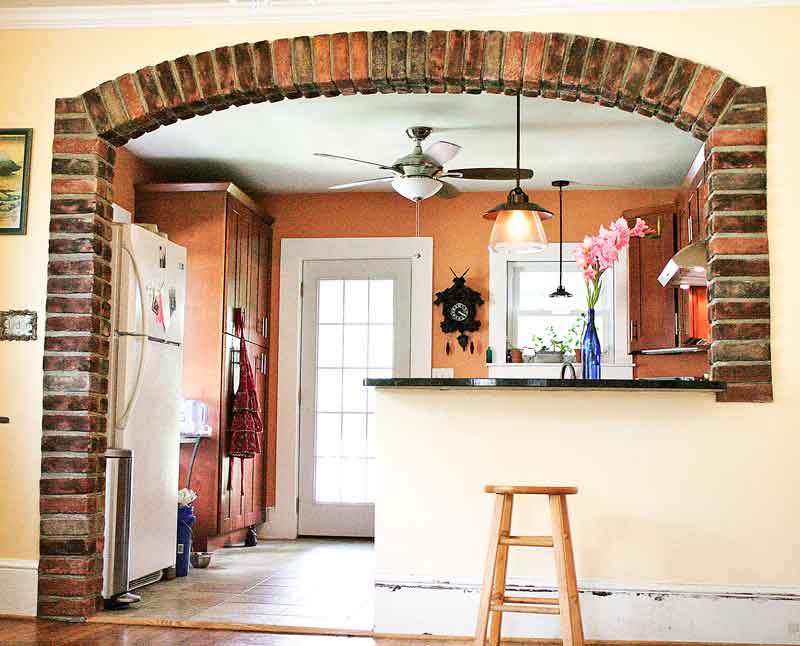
[(228, 240), (652, 307)]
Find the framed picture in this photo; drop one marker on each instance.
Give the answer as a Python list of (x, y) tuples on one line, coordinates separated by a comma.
[(15, 169)]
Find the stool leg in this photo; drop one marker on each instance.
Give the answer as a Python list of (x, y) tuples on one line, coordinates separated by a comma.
[(569, 603), (489, 570), (501, 567)]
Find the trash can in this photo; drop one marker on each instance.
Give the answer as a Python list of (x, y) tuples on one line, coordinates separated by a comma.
[(186, 519)]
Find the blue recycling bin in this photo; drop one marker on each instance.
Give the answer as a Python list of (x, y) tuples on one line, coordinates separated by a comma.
[(186, 519)]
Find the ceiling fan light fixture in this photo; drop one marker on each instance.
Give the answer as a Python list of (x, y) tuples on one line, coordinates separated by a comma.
[(416, 188)]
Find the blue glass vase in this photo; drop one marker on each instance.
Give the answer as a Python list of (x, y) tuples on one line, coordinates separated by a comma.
[(590, 349)]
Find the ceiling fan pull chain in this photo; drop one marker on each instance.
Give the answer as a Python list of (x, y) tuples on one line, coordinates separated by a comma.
[(417, 204)]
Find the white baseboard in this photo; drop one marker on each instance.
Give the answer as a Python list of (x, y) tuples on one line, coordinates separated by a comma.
[(18, 587), (700, 613)]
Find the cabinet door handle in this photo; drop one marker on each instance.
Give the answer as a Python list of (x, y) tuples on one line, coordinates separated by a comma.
[(634, 333), (689, 228), (677, 327), (265, 327)]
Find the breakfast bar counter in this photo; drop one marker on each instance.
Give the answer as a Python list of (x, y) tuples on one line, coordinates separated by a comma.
[(548, 384)]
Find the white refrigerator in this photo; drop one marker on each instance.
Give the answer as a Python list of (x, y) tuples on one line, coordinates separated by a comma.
[(148, 296)]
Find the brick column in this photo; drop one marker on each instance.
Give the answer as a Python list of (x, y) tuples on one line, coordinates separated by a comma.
[(75, 367), (738, 251)]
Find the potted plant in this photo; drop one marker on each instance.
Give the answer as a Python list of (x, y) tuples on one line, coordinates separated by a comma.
[(572, 338), (550, 347)]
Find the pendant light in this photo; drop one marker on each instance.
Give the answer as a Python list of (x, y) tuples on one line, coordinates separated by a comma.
[(518, 221), (560, 291)]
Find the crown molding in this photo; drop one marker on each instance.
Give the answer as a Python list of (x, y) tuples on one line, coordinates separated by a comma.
[(289, 11)]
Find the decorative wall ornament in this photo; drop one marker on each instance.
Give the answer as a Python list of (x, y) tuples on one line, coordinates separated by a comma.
[(459, 306), (18, 325), (15, 164)]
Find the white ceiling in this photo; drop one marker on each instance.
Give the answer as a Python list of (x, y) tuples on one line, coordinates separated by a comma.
[(22, 14), (269, 147)]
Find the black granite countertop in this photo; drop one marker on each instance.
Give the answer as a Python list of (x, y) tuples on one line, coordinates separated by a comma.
[(549, 384)]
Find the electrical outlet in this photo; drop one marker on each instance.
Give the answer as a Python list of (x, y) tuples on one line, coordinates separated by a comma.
[(441, 373), (794, 628)]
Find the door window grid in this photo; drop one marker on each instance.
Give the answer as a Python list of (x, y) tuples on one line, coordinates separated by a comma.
[(355, 339)]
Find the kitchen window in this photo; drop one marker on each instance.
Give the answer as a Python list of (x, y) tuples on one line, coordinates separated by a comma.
[(521, 307)]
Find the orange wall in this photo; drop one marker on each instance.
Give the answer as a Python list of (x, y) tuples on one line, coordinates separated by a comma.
[(129, 171), (459, 235)]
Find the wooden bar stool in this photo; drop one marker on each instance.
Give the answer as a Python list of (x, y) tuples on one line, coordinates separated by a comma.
[(494, 601)]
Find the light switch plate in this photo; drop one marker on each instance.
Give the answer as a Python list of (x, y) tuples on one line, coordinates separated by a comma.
[(441, 373)]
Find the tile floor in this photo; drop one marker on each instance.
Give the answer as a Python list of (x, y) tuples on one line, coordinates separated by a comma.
[(324, 583)]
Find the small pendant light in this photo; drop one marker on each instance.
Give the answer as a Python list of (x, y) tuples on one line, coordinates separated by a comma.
[(518, 221), (560, 291)]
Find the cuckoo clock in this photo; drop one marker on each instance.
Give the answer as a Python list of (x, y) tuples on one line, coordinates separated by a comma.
[(459, 306)]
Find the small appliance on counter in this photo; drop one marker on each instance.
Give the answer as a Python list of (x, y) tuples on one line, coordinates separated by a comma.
[(146, 381)]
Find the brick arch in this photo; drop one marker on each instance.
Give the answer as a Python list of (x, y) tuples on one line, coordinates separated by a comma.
[(700, 100)]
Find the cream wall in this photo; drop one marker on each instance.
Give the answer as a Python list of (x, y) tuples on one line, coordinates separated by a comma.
[(758, 47)]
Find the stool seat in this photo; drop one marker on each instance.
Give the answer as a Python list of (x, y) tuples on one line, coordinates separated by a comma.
[(519, 489), (494, 602)]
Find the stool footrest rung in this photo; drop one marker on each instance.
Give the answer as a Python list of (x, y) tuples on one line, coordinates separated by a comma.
[(538, 601), (527, 541), (525, 608)]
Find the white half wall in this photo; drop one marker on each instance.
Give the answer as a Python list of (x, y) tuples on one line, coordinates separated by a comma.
[(703, 614), (18, 587)]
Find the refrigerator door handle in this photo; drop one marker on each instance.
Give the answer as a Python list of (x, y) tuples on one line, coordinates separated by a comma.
[(122, 420)]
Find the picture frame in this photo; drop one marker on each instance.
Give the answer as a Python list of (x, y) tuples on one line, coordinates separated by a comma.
[(15, 167)]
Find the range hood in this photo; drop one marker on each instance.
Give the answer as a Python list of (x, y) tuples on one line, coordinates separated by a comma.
[(687, 268)]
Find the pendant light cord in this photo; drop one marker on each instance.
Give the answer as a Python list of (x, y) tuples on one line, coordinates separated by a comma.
[(560, 235), (416, 203), (518, 136)]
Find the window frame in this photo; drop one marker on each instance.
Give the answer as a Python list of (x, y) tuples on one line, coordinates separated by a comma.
[(500, 298)]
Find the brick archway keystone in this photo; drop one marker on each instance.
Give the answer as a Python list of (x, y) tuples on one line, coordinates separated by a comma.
[(700, 100)]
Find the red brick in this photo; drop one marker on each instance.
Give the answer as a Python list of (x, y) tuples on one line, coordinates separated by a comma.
[(751, 95), (552, 64), (738, 137), (736, 181), (226, 76), (115, 109), (302, 65), (359, 62), (282, 60), (59, 607), (696, 97), (74, 363), (340, 53), (416, 62), (379, 61), (512, 61), (737, 245), (397, 55), (739, 266), (73, 126), (532, 69), (434, 66), (492, 62), (94, 186), (721, 160), (265, 82), (677, 88), (87, 343), (751, 393), (634, 80), (72, 443), (454, 62), (84, 504), (189, 87), (80, 485), (246, 72), (739, 310), (718, 102), (721, 223), (739, 331), (85, 146), (473, 61), (91, 403), (61, 464), (568, 88), (97, 110), (615, 72), (69, 586), (207, 80), (593, 70), (82, 423), (323, 73), (154, 101), (170, 83), (69, 565), (738, 202), (67, 106), (745, 372), (745, 115), (653, 89)]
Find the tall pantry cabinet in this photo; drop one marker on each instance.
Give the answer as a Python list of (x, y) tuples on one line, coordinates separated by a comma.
[(229, 241)]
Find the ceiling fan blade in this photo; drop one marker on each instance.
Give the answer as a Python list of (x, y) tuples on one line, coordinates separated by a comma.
[(362, 182), (489, 173), (448, 191), (442, 151), (352, 159)]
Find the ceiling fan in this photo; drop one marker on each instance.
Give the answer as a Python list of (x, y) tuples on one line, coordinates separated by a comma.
[(421, 174)]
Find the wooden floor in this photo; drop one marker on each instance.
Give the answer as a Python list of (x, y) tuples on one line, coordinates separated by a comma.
[(38, 632)]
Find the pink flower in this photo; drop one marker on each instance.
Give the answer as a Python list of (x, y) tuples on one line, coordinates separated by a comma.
[(589, 273), (640, 229)]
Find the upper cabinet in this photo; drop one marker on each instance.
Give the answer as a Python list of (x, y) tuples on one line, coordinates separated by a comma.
[(653, 321)]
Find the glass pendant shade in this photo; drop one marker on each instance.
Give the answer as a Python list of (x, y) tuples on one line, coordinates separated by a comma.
[(416, 188), (518, 225)]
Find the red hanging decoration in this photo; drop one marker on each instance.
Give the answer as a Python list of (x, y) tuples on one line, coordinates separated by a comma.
[(246, 425)]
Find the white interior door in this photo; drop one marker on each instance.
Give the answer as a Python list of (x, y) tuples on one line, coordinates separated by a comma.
[(356, 323)]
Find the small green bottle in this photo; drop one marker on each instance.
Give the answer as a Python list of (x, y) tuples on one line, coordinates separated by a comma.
[(489, 354)]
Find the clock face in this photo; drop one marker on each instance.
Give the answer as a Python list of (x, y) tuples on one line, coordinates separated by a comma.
[(459, 312)]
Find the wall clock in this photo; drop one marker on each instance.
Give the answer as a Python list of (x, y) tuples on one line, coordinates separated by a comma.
[(459, 306)]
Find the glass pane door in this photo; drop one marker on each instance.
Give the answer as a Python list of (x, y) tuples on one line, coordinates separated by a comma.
[(355, 325)]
